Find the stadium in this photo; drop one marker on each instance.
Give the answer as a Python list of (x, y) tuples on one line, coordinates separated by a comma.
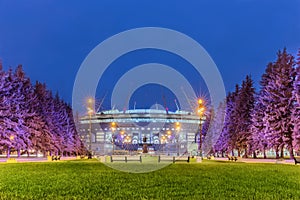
[(125, 132)]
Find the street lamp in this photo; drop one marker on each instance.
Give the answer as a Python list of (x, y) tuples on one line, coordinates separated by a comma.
[(201, 110), (11, 138), (177, 127), (113, 128), (163, 142), (90, 109), (169, 133), (127, 141), (122, 137)]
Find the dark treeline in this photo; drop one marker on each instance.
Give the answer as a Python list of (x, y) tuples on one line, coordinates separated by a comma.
[(255, 122), (32, 120)]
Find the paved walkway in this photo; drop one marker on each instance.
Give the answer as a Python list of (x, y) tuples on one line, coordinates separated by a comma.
[(246, 160), (252, 160), (34, 159)]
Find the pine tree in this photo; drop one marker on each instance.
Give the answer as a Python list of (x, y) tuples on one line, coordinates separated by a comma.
[(219, 140), (296, 109), (44, 107), (5, 88), (225, 142), (278, 102), (74, 144), (207, 136), (22, 88), (232, 119), (31, 119), (11, 121), (243, 110), (257, 138)]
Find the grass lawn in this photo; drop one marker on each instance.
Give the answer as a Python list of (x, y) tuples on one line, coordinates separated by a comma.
[(94, 180)]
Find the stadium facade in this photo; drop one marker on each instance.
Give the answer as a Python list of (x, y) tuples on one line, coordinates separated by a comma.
[(113, 131)]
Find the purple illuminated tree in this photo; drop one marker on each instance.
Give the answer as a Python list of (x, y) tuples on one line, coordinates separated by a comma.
[(207, 141), (73, 143), (44, 108), (220, 146), (6, 142), (296, 110), (257, 138), (243, 109), (14, 135), (225, 142), (32, 119), (22, 93), (278, 101), (231, 119)]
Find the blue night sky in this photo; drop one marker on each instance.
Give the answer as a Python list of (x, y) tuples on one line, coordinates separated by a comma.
[(52, 38)]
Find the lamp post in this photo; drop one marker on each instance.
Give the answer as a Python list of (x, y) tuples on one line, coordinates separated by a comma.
[(177, 127), (201, 109), (113, 128), (169, 142), (145, 145), (163, 142), (90, 109), (122, 135), (11, 138), (127, 141)]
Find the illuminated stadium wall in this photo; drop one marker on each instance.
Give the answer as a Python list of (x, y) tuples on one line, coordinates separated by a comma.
[(116, 131)]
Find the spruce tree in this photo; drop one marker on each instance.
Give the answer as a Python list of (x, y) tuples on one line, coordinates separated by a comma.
[(296, 109), (220, 139), (278, 101), (257, 137), (243, 110), (232, 119)]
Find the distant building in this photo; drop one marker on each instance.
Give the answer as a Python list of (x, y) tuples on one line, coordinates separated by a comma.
[(117, 131)]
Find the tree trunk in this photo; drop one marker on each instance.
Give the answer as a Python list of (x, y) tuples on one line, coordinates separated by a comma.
[(281, 152), (254, 154), (8, 153), (291, 153), (232, 153), (246, 152), (19, 153), (277, 153), (265, 155), (239, 153)]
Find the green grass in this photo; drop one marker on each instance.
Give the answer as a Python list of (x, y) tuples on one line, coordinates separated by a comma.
[(93, 180)]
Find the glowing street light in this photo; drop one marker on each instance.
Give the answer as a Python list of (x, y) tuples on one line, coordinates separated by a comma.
[(12, 138), (177, 126), (90, 100), (201, 110), (163, 138), (163, 142), (113, 126), (127, 139)]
